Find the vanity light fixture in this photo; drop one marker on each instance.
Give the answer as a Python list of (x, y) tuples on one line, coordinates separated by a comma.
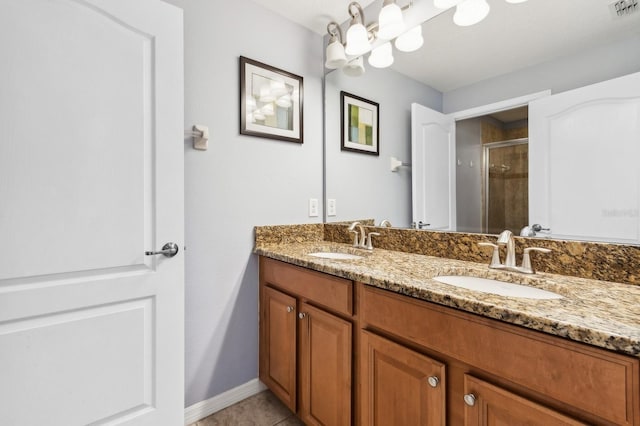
[(360, 37), (411, 40), (355, 67), (357, 34), (381, 56), (336, 56), (468, 12), (390, 21)]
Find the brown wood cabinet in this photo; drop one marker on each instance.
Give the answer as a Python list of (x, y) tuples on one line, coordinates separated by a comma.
[(399, 386), (325, 367), (524, 370), (305, 322), (419, 363), (487, 404), (278, 333)]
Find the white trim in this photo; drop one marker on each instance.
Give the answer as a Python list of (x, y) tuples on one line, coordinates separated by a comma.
[(202, 409), (498, 106)]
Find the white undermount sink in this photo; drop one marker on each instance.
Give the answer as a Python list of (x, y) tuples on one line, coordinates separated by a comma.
[(335, 255), (501, 288)]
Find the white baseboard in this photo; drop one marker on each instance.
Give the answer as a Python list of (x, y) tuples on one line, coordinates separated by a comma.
[(202, 409)]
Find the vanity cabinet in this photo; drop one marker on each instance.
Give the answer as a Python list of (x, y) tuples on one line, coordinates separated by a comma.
[(278, 344), (487, 404), (516, 375), (399, 386), (419, 363), (306, 341)]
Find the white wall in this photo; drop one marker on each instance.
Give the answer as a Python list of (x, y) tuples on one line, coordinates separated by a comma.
[(469, 175), (363, 185), (239, 182), (600, 63)]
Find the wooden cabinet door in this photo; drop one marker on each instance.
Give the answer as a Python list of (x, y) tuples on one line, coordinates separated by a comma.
[(325, 368), (495, 406), (399, 386), (278, 344)]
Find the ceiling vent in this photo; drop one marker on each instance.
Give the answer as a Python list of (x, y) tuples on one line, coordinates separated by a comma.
[(622, 8)]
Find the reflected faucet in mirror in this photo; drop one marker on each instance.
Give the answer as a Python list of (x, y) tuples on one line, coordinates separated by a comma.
[(531, 231), (594, 216)]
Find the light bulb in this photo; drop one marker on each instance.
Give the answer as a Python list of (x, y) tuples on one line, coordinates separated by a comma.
[(381, 56), (354, 68), (390, 22), (336, 57), (357, 40), (411, 40), (470, 12)]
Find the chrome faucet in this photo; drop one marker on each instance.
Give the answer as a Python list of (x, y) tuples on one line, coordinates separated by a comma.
[(506, 238), (365, 240), (362, 242)]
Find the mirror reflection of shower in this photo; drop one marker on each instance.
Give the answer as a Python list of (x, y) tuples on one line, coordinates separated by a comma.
[(492, 175), (506, 186)]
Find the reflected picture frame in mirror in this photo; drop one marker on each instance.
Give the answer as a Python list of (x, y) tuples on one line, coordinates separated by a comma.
[(559, 74), (359, 124)]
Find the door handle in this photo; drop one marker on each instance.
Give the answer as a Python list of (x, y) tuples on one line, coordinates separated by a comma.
[(168, 250)]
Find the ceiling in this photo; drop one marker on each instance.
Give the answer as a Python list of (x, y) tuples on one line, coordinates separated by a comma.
[(512, 37)]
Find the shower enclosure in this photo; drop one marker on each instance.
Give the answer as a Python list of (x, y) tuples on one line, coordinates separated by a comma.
[(505, 186)]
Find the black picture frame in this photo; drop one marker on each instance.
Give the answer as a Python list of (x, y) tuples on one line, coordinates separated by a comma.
[(359, 124), (271, 102)]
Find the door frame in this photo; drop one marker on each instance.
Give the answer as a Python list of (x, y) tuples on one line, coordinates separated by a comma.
[(488, 109), (498, 106)]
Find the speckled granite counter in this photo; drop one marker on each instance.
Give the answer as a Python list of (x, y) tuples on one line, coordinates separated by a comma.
[(598, 313)]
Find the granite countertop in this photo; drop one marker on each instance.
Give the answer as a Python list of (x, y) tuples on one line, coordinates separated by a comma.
[(599, 313)]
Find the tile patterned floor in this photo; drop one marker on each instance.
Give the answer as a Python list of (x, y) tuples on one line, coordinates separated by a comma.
[(262, 409)]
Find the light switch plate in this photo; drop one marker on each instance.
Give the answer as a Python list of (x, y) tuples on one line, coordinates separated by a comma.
[(313, 207), (331, 207)]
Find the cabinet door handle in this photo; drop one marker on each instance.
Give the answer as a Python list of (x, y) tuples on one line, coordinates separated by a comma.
[(433, 381), (302, 315), (290, 309), (470, 399)]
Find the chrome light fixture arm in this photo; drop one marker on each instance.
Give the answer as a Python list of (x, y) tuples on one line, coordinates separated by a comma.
[(358, 13), (335, 32)]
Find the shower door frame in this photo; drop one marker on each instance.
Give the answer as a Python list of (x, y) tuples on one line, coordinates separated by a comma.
[(485, 174)]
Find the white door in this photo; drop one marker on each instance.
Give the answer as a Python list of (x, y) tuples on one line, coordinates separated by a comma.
[(433, 177), (91, 176), (584, 146)]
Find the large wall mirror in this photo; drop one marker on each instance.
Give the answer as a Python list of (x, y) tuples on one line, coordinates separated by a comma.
[(538, 47)]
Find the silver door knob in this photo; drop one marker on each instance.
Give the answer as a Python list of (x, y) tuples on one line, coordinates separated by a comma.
[(301, 315), (168, 250), (433, 381), (289, 309), (470, 399)]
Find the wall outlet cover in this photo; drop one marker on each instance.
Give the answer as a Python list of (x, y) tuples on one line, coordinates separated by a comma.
[(331, 207), (313, 207)]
